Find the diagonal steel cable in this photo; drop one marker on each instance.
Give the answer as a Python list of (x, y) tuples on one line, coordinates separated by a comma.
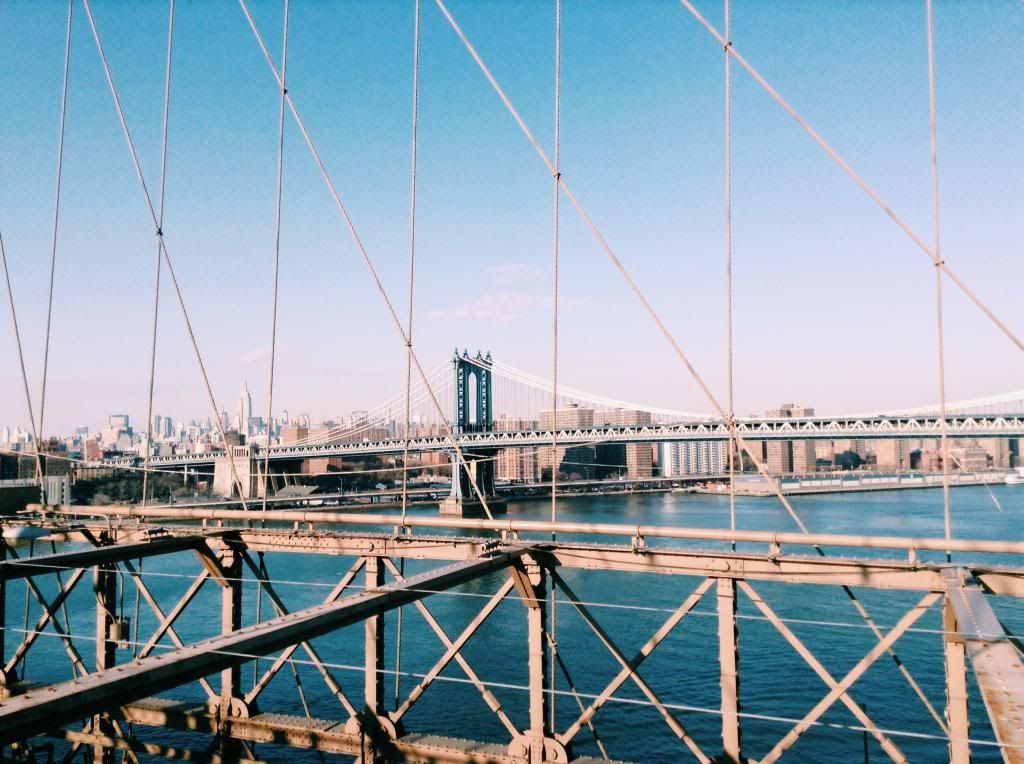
[(21, 363), (160, 226), (343, 211), (680, 354), (163, 248), (838, 159)]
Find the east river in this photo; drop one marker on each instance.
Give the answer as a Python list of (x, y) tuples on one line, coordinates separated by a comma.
[(777, 687)]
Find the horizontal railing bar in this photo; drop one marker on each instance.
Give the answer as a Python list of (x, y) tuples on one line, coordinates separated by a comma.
[(907, 543), (104, 555)]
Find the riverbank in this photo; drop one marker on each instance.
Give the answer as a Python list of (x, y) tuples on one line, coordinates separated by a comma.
[(854, 483)]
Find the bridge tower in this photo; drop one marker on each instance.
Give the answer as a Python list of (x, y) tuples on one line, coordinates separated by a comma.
[(474, 412), (475, 415)]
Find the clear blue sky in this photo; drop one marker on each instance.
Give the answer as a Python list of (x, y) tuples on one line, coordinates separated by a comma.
[(834, 305)]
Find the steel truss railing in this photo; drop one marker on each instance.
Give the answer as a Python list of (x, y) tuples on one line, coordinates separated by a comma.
[(971, 633)]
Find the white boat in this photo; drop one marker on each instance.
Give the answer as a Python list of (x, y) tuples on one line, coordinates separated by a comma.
[(1016, 477)]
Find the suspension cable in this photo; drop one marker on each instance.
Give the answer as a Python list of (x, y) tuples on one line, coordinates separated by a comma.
[(412, 251), (409, 326), (265, 477), (21, 362), (555, 462), (163, 247), (371, 268), (56, 213), (728, 267), (670, 338), (160, 225), (838, 159), (943, 425)]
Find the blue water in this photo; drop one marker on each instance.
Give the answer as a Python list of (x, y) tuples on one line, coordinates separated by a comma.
[(777, 686)]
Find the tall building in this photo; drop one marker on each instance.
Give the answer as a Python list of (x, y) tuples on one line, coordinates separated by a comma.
[(244, 410), (998, 450), (119, 422), (892, 454), (637, 459), (693, 458), (782, 456), (516, 464), (573, 460)]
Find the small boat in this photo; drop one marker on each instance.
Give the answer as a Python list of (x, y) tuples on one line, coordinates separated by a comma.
[(1016, 477)]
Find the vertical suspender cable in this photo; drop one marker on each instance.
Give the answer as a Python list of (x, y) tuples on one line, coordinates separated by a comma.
[(943, 426), (160, 226), (556, 175), (412, 254), (56, 221), (554, 271), (408, 332), (265, 477), (728, 267), (163, 246), (364, 255)]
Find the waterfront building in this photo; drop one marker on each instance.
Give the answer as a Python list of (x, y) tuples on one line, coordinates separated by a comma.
[(573, 461), (636, 460), (891, 454), (693, 458), (998, 450), (790, 455), (516, 464)]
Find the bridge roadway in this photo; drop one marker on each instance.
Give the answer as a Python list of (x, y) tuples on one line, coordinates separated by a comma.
[(806, 428)]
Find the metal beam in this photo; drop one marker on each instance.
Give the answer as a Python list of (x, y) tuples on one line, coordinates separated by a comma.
[(995, 660), (774, 539), (39, 710), (104, 555), (329, 736), (840, 688)]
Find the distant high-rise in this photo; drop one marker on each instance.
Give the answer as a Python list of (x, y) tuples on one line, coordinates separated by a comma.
[(118, 422), (244, 409), (636, 458), (784, 456), (575, 460), (693, 458)]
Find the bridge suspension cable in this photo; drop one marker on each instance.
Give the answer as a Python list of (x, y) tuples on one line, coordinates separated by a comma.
[(56, 213), (162, 243), (343, 211), (838, 159), (937, 249), (159, 265), (264, 479), (669, 337)]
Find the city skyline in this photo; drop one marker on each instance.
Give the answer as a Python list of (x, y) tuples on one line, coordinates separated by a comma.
[(656, 192)]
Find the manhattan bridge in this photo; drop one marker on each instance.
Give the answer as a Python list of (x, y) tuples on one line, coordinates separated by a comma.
[(180, 624)]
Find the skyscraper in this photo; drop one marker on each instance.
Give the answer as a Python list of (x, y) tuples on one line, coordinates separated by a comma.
[(790, 455), (244, 410)]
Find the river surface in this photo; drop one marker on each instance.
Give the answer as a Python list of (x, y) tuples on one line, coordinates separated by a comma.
[(777, 687)]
